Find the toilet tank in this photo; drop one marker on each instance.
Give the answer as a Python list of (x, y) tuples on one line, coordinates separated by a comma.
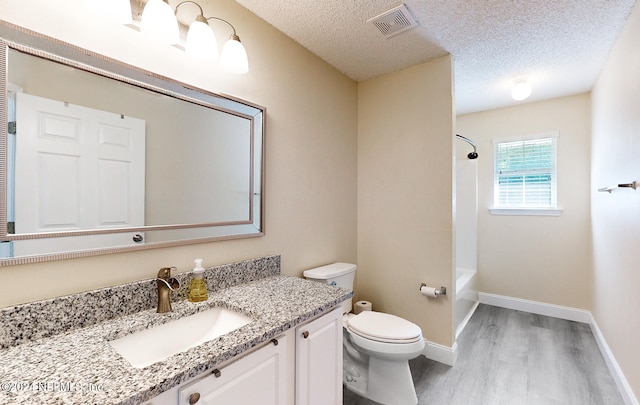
[(337, 274)]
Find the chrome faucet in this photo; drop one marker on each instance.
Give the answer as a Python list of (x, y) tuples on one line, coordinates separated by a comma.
[(166, 284)]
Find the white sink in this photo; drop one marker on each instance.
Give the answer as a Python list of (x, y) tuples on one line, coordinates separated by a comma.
[(155, 344)]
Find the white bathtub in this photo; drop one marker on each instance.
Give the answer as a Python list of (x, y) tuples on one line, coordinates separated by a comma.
[(466, 297)]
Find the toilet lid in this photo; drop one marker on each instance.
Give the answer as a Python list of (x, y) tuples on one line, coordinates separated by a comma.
[(384, 327)]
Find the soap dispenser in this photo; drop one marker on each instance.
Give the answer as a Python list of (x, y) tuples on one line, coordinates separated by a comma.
[(198, 288)]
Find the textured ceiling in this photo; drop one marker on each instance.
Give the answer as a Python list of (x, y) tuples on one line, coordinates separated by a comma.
[(559, 45)]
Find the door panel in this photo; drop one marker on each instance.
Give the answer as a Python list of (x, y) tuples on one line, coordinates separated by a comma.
[(60, 150)]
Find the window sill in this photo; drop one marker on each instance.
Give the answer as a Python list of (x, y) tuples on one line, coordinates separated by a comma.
[(551, 212)]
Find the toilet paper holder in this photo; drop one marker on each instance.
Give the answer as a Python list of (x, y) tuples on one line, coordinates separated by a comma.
[(438, 292)]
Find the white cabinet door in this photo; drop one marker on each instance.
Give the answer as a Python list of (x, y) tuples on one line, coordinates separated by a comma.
[(257, 378), (319, 360)]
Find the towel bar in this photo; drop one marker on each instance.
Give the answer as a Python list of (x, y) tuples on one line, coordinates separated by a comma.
[(633, 185)]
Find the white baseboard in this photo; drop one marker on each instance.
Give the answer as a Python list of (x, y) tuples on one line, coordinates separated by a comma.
[(441, 354), (466, 319), (535, 307), (621, 382), (570, 314)]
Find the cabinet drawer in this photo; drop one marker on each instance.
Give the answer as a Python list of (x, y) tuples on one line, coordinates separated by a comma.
[(257, 378)]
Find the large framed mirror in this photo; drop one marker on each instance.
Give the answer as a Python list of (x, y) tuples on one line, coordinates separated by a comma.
[(97, 156)]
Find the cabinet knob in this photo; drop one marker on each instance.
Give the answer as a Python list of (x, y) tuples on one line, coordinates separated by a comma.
[(217, 373), (305, 334), (194, 398)]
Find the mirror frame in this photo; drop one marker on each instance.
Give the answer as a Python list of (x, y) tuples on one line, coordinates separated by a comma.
[(31, 42)]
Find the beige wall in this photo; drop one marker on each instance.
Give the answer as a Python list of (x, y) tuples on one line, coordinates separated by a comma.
[(615, 159), (405, 195), (311, 148), (538, 258)]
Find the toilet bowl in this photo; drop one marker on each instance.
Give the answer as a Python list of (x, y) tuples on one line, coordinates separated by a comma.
[(376, 358), (377, 346), (384, 335)]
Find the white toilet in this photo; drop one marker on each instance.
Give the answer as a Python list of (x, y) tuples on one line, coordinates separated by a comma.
[(377, 346)]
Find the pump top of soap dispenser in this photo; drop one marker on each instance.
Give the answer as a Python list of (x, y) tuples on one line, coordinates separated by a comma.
[(197, 269)]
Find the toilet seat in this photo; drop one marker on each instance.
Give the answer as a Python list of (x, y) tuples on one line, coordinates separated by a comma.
[(385, 328)]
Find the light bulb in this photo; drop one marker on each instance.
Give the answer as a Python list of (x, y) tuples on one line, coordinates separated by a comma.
[(521, 90), (159, 21), (233, 57), (201, 41)]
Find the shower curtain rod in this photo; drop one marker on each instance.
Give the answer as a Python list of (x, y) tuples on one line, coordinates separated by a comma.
[(471, 155)]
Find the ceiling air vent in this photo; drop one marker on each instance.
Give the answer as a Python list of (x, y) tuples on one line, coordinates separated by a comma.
[(394, 21)]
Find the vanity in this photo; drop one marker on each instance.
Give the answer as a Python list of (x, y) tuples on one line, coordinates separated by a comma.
[(289, 353)]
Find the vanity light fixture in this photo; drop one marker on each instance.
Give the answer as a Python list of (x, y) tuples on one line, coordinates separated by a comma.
[(201, 41), (234, 57), (159, 20), (521, 89)]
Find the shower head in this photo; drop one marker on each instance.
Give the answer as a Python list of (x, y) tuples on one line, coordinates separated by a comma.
[(471, 155)]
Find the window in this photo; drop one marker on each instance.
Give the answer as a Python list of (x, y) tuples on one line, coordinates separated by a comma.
[(525, 173)]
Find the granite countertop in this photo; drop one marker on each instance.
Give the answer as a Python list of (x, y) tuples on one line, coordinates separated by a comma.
[(80, 367)]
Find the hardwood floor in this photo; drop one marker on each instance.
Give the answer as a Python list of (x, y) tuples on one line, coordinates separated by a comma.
[(515, 358)]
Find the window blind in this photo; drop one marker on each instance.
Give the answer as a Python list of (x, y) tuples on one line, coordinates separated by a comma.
[(525, 174)]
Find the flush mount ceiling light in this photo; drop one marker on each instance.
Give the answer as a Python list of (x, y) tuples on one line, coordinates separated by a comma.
[(521, 89), (159, 21)]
